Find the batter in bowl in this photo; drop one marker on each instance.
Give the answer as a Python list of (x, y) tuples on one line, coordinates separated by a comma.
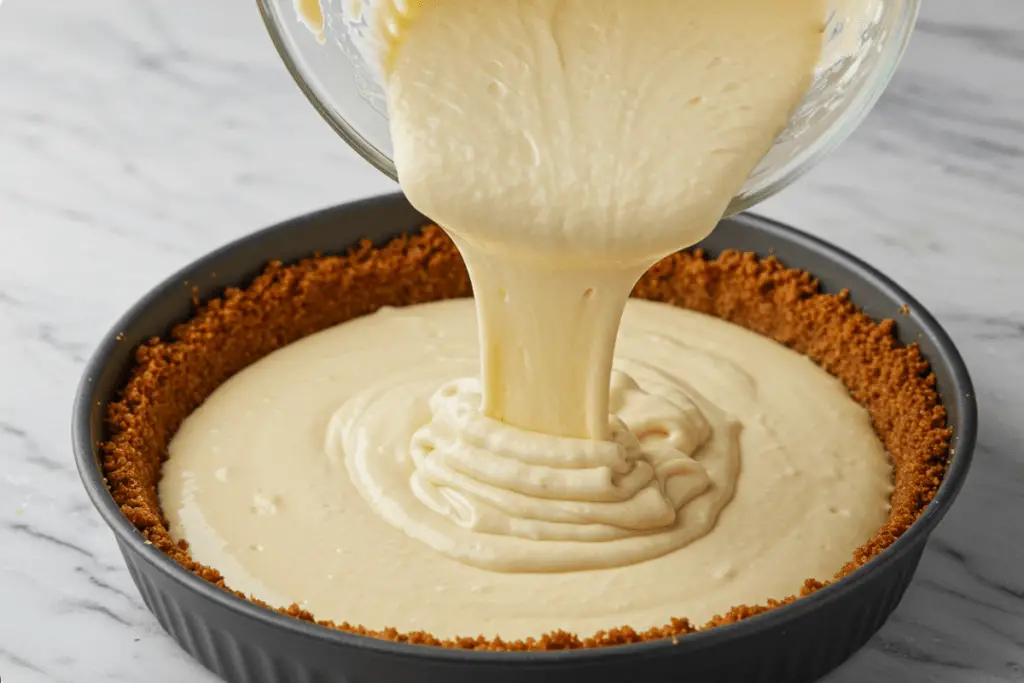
[(566, 146)]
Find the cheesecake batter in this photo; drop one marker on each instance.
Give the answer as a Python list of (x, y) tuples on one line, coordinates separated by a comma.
[(528, 481), (566, 146), (249, 485), (308, 12)]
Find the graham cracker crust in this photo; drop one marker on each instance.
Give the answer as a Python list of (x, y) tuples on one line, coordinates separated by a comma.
[(173, 376)]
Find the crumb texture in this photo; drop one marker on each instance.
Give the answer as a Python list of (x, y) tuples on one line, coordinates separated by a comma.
[(173, 376)]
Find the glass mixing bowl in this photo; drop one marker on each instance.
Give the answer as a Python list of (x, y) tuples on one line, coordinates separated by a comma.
[(865, 40)]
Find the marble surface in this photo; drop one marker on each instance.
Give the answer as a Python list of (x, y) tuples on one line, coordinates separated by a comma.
[(136, 135)]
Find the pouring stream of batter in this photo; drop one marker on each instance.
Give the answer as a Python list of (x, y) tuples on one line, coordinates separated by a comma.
[(566, 146)]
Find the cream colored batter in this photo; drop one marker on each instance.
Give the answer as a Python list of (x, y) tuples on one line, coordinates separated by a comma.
[(508, 499), (310, 14), (566, 145), (249, 486)]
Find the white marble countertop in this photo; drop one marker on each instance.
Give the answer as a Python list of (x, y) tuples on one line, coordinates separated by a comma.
[(136, 135)]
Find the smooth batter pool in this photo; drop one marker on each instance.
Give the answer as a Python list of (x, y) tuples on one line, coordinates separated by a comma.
[(249, 483)]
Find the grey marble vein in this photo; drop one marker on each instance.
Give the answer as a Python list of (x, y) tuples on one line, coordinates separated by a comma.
[(137, 135)]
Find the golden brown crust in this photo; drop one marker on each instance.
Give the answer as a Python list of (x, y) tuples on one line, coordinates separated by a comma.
[(174, 376)]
